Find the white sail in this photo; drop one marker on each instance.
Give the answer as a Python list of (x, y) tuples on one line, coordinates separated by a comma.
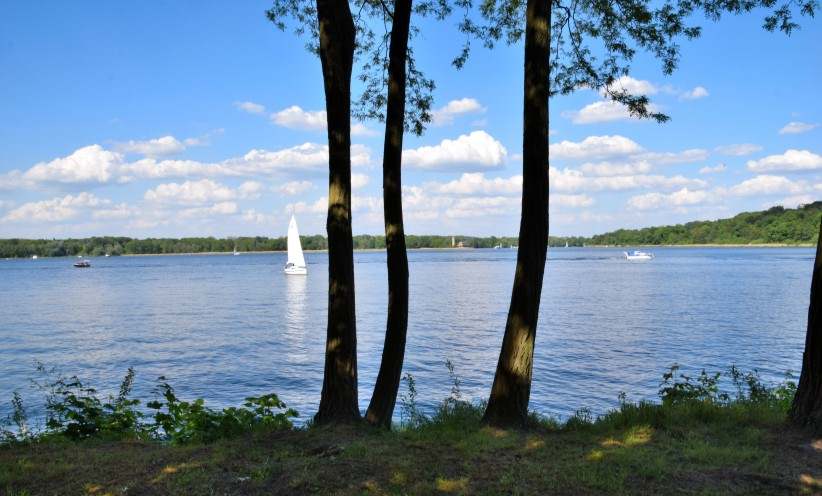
[(295, 249)]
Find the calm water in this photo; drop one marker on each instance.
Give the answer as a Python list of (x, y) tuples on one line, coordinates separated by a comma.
[(225, 327)]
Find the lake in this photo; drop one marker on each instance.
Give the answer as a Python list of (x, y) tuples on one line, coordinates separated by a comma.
[(225, 327)]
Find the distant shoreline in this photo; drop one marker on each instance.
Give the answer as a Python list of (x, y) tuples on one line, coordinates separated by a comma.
[(366, 250)]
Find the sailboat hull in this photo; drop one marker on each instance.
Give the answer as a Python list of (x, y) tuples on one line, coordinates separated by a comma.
[(296, 271)]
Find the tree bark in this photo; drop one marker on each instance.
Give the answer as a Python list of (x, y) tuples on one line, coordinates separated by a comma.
[(508, 403), (807, 403), (338, 402), (381, 408)]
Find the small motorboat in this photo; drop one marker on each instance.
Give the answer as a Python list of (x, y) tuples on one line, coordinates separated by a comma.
[(82, 264), (638, 256)]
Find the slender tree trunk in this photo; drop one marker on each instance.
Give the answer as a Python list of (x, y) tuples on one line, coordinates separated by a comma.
[(381, 408), (338, 402), (807, 404), (508, 403)]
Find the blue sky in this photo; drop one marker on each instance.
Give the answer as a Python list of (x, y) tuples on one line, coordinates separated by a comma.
[(176, 118)]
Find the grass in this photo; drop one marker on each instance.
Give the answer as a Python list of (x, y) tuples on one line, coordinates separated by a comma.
[(689, 447)]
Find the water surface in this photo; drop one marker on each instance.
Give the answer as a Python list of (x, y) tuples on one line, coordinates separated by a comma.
[(225, 327)]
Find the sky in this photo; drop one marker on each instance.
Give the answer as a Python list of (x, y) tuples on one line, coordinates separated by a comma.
[(176, 118)]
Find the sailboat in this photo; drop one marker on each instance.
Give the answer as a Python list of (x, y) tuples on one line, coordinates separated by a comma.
[(296, 262)]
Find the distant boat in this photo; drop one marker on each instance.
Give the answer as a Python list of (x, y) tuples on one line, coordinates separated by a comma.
[(497, 247), (235, 251), (34, 257), (82, 264), (295, 265), (108, 255), (566, 244), (638, 256)]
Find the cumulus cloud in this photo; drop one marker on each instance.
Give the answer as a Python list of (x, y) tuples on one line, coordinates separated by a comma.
[(477, 150), (694, 94), (790, 161), (571, 180), (632, 86), (594, 147), (90, 164), (683, 157), (250, 107), (796, 127), (294, 117), (738, 150), (607, 168), (681, 198), (477, 184), (200, 192), (292, 188), (359, 180), (602, 111), (54, 210), (166, 145), (712, 170), (768, 185), (446, 114)]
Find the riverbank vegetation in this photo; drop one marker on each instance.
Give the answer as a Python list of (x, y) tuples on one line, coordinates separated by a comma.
[(776, 225), (708, 434)]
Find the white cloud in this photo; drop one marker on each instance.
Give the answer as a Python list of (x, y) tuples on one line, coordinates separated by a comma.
[(685, 156), (712, 170), (292, 188), (570, 180), (295, 117), (603, 111), (573, 201), (607, 168), (90, 164), (54, 210), (796, 127), (790, 161), (791, 201), (768, 185), (681, 198), (94, 164), (359, 180), (594, 147), (198, 192), (150, 168), (166, 145), (477, 184), (446, 114), (360, 129), (221, 208), (477, 150), (636, 87), (738, 150), (694, 94), (250, 189), (250, 107)]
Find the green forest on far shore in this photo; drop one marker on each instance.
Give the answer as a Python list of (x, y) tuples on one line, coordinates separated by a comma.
[(776, 225)]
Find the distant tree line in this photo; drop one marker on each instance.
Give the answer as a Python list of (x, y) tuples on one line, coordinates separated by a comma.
[(102, 245), (775, 225)]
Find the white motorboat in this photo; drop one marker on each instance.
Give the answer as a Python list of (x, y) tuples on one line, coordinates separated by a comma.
[(638, 256), (295, 265)]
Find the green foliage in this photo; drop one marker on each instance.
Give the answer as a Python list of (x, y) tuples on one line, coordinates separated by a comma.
[(182, 422), (775, 225), (75, 411)]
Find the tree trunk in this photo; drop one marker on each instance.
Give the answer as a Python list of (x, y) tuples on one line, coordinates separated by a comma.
[(338, 402), (381, 408), (807, 404), (508, 403)]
